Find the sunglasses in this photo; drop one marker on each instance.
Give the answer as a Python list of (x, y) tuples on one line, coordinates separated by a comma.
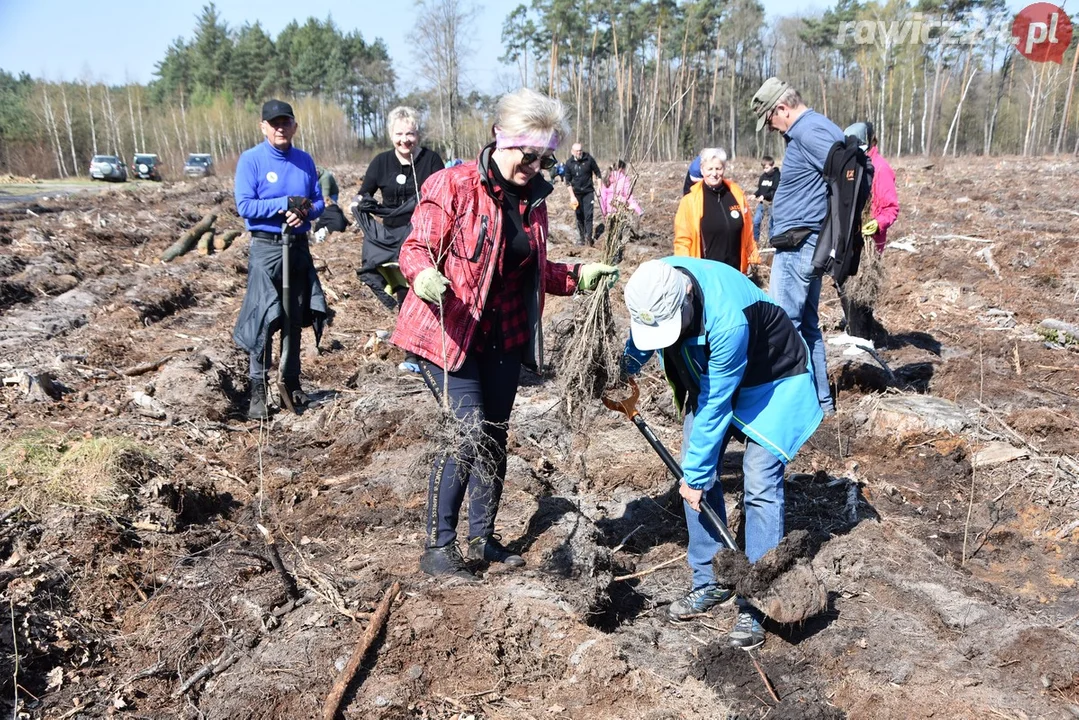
[(528, 157)]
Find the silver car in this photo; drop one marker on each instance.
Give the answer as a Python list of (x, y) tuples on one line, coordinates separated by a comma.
[(108, 167), (199, 165)]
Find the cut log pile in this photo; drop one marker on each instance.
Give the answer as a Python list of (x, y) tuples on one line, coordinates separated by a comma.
[(203, 236)]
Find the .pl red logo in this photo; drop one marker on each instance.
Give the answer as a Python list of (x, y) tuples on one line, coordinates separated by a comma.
[(1042, 32)]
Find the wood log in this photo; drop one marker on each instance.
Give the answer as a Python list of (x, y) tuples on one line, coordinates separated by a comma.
[(206, 242), (337, 692), (188, 240), (222, 242)]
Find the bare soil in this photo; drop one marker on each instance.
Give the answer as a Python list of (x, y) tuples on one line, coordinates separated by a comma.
[(951, 582)]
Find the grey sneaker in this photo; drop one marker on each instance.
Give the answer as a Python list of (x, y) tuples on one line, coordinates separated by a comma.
[(699, 601), (747, 632)]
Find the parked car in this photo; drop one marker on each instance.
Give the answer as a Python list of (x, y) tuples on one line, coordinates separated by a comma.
[(146, 166), (199, 165), (108, 167)]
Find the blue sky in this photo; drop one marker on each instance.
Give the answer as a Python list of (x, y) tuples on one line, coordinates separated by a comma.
[(117, 41)]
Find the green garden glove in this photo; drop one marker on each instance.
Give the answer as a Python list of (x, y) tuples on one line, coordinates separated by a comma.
[(590, 274), (870, 227), (430, 285)]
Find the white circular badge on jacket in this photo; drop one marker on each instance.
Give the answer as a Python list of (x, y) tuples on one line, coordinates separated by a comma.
[(401, 179), (735, 214), (271, 176)]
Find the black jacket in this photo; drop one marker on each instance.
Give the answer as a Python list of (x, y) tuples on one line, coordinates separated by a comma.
[(578, 173), (767, 184)]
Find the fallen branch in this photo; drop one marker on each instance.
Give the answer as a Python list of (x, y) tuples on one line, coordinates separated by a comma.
[(223, 242), (651, 570), (218, 664), (337, 692), (145, 367), (760, 671), (962, 237), (275, 559), (986, 255)]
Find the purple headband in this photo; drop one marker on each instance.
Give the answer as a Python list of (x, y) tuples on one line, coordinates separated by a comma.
[(534, 139)]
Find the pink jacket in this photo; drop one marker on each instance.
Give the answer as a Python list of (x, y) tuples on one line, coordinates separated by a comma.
[(885, 205), (618, 188)]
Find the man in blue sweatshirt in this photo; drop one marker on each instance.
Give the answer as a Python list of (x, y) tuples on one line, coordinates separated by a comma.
[(276, 191), (798, 209)]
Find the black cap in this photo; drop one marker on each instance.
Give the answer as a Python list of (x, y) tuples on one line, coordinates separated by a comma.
[(276, 108)]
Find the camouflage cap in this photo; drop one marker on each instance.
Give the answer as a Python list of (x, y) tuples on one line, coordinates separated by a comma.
[(766, 98)]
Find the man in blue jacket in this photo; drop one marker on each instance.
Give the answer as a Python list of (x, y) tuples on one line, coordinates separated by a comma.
[(737, 367), (798, 209), (277, 189)]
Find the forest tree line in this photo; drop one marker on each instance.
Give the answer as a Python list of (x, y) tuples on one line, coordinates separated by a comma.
[(642, 79)]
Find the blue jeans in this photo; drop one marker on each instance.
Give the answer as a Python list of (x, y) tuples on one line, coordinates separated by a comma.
[(758, 215), (796, 289), (764, 509)]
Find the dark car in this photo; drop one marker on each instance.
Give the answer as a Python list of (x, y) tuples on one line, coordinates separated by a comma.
[(108, 167), (199, 165), (146, 166)]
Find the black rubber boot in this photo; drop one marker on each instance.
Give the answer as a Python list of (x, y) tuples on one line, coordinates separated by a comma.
[(445, 561), (256, 408), (489, 549)]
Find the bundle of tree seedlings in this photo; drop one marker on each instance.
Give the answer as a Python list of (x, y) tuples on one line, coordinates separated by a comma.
[(591, 356)]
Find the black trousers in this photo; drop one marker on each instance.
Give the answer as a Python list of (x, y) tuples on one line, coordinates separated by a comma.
[(585, 204), (481, 396)]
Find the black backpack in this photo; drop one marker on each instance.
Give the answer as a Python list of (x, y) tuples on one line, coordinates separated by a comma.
[(849, 176)]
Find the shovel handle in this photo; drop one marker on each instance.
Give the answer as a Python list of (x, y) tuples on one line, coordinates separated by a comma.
[(676, 469)]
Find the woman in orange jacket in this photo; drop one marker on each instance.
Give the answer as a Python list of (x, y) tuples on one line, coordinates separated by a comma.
[(713, 220)]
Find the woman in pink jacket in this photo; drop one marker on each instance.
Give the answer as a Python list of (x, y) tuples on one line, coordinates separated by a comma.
[(618, 191), (884, 202), (883, 210)]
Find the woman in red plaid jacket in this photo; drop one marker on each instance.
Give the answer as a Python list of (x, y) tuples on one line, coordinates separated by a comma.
[(477, 262)]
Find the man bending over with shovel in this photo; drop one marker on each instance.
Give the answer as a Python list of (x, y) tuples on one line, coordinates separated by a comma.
[(277, 195), (733, 358)]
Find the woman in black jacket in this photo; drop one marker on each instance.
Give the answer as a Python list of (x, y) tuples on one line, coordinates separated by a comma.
[(397, 175)]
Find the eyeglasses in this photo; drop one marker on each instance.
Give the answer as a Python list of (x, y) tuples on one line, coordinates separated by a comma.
[(530, 156)]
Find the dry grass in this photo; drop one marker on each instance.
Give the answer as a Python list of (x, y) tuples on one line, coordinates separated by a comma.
[(866, 287), (45, 467)]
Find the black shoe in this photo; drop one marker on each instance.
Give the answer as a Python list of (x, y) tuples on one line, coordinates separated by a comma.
[(489, 549), (256, 408), (445, 561), (292, 396)]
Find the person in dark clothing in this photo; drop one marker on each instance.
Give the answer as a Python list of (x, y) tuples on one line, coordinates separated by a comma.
[(332, 220), (693, 175), (766, 190), (578, 172), (477, 260), (398, 176), (277, 184)]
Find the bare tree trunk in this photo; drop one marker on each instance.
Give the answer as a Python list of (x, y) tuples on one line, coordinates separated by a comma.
[(131, 114), (54, 135), (90, 108), (70, 135), (925, 104), (1067, 104), (959, 109), (899, 124)]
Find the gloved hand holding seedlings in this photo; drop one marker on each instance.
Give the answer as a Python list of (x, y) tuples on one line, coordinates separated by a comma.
[(590, 274), (870, 228), (430, 285)]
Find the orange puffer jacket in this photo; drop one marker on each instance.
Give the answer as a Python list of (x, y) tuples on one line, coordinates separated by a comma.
[(687, 225)]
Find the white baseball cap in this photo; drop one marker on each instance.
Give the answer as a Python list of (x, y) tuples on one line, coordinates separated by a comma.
[(654, 296)]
